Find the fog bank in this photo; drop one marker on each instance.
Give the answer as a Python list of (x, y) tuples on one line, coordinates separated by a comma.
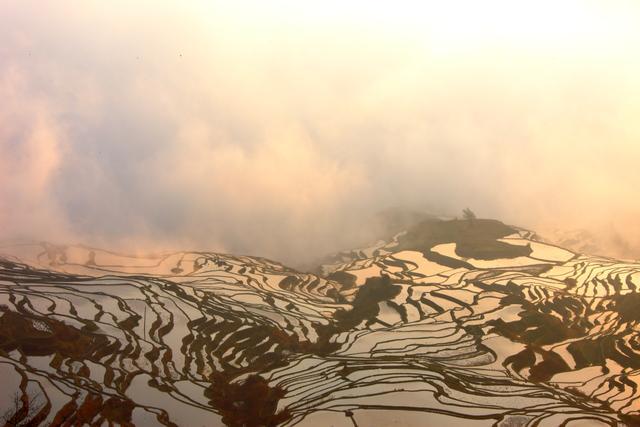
[(281, 129)]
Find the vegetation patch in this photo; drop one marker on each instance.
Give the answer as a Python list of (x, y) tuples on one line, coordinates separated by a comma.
[(473, 238), (248, 403)]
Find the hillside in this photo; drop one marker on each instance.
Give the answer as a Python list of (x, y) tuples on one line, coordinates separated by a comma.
[(458, 323)]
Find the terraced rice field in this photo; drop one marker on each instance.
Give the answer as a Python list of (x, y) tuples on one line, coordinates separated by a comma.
[(448, 323)]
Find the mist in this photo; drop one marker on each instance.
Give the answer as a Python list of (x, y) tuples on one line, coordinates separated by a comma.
[(280, 130)]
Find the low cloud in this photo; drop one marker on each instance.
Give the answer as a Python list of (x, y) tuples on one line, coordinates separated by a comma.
[(275, 134)]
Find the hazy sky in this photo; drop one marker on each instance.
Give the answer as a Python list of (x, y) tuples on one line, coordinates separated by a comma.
[(273, 127)]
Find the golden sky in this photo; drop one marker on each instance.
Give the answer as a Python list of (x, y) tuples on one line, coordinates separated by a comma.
[(274, 127)]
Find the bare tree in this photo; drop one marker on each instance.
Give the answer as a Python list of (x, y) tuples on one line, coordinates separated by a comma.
[(17, 415), (468, 215)]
